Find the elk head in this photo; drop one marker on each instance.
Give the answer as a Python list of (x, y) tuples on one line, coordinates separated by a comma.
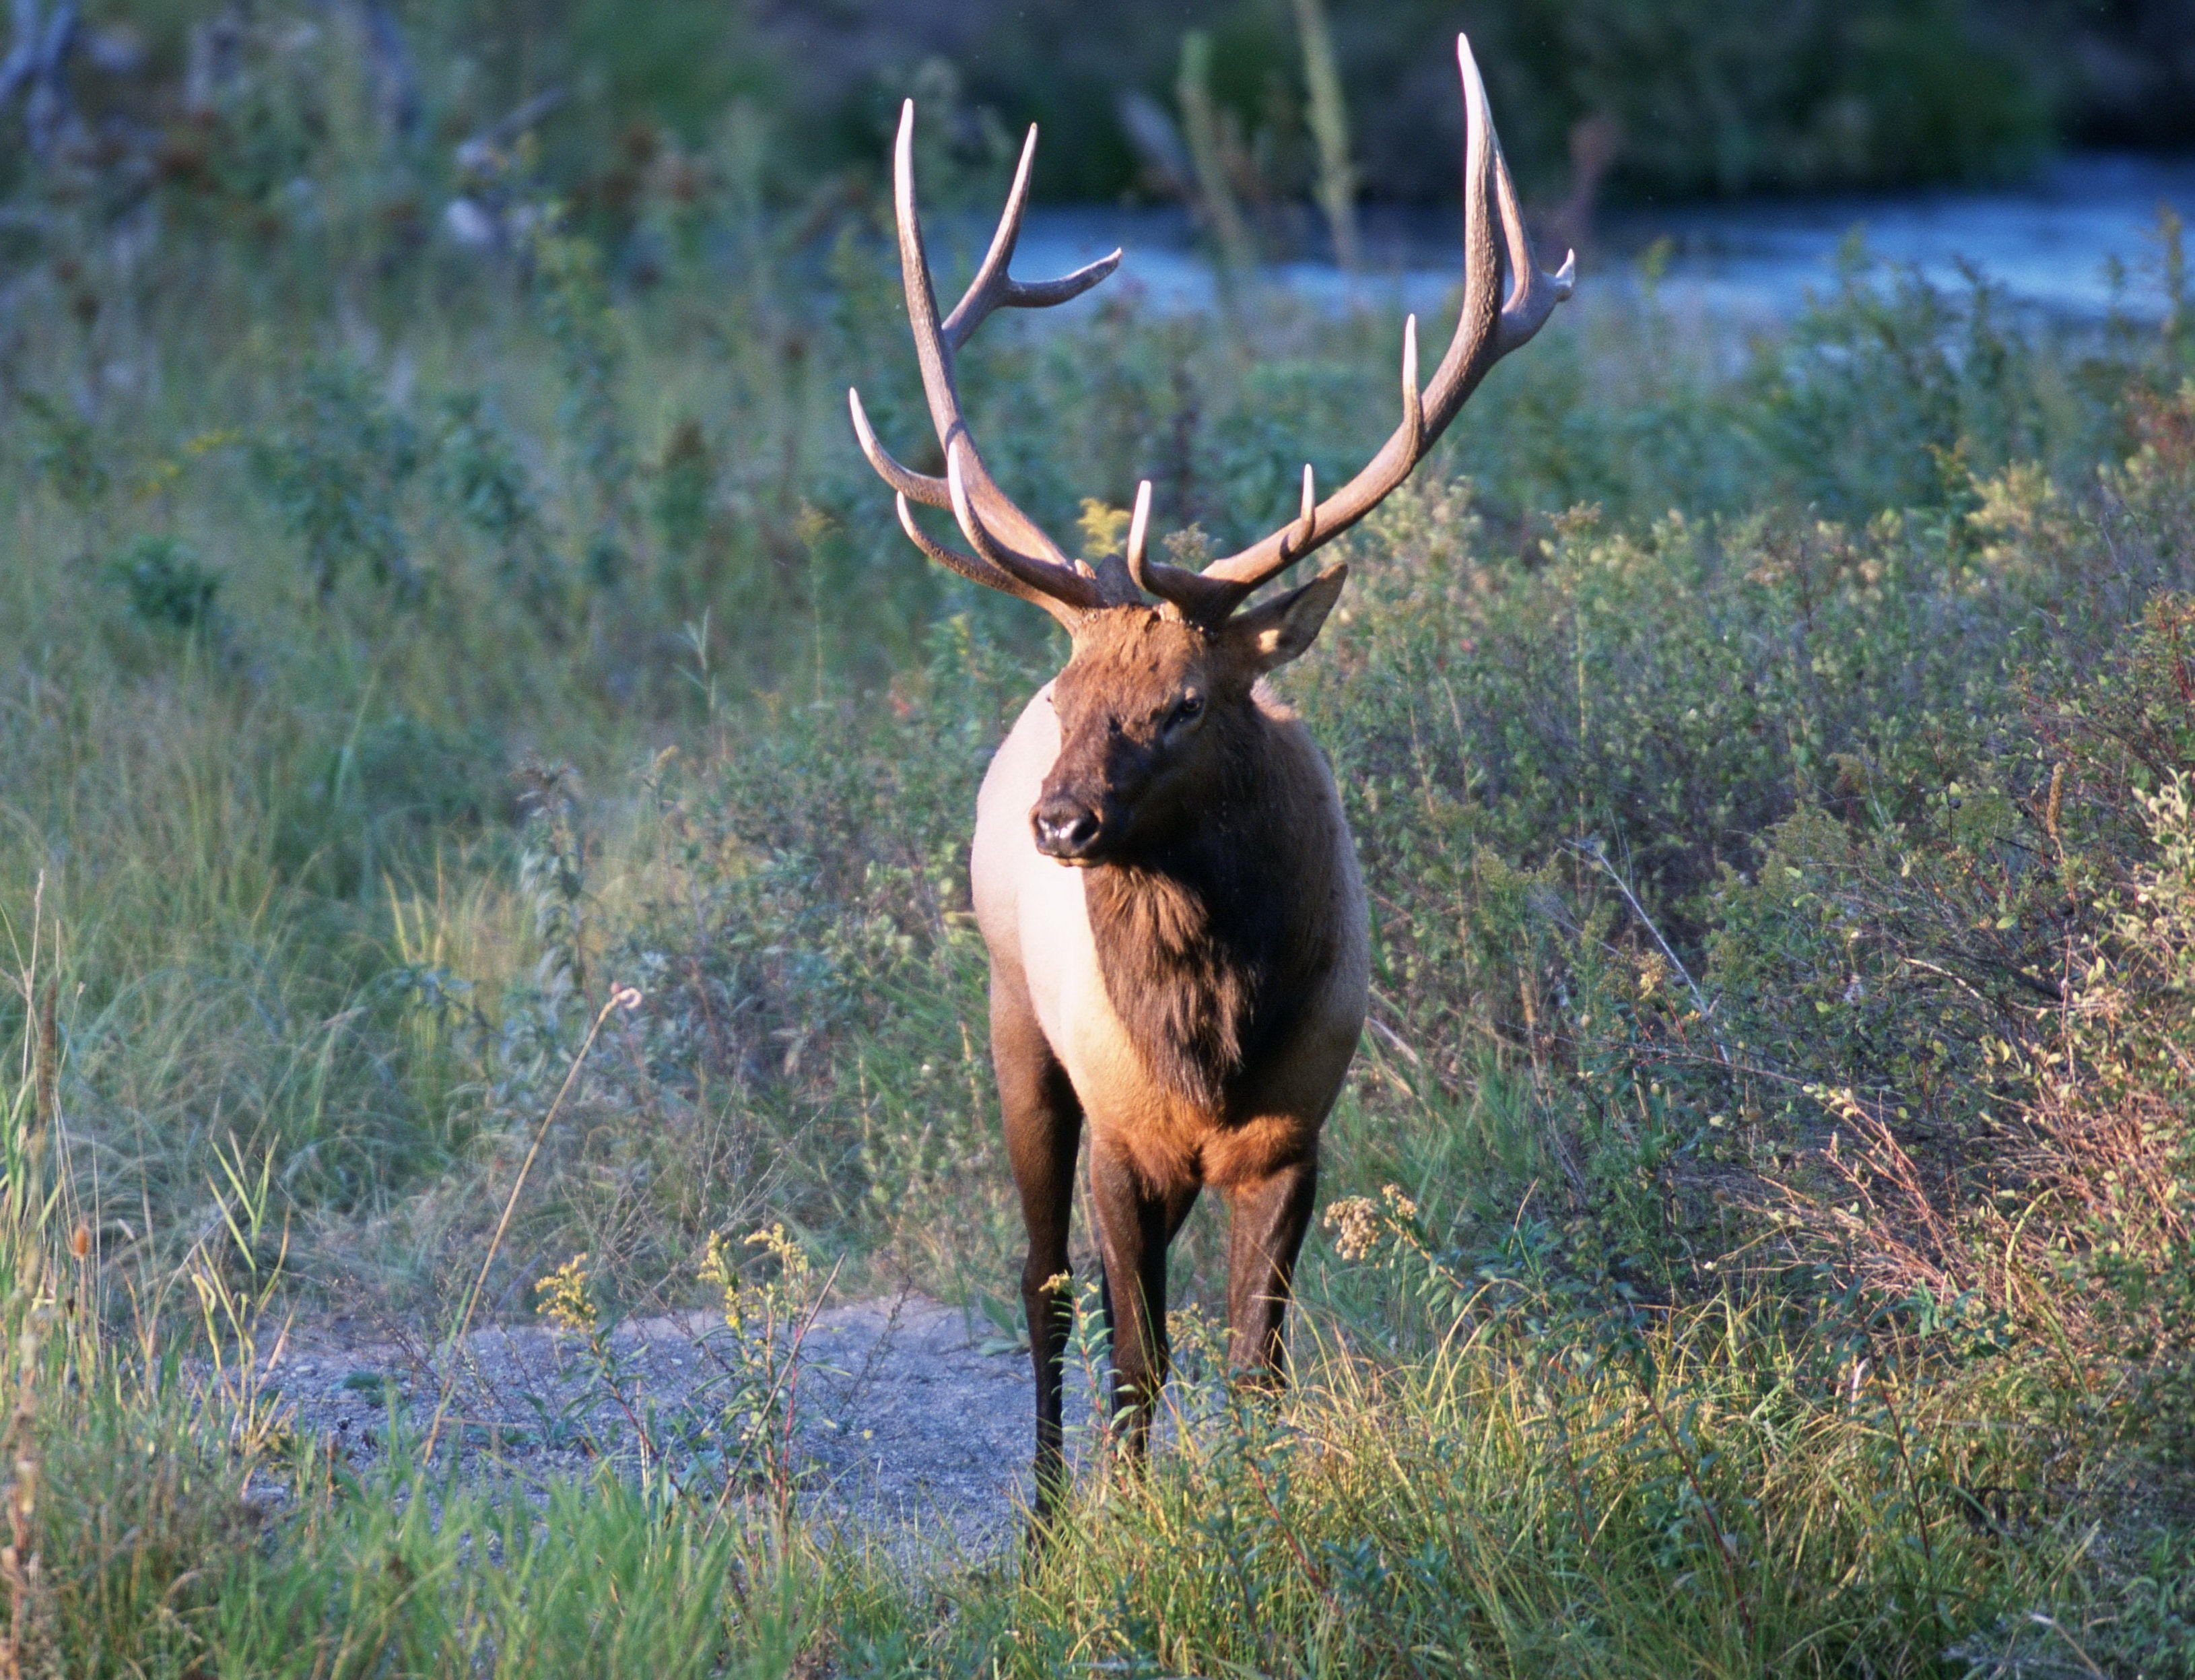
[(1158, 685)]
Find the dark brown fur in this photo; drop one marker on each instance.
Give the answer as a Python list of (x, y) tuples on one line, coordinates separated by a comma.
[(1202, 936)]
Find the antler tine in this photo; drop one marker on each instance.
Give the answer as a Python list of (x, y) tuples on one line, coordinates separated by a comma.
[(1192, 594), (1490, 196), (994, 288), (1488, 328), (1139, 535), (977, 570), (1533, 293), (932, 493), (1413, 402), (1012, 553)]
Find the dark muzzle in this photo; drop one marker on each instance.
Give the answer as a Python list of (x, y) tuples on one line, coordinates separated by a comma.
[(1067, 827)]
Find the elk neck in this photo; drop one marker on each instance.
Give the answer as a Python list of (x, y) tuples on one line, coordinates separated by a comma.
[(1209, 934)]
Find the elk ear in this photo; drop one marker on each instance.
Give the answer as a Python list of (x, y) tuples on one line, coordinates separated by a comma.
[(1276, 631)]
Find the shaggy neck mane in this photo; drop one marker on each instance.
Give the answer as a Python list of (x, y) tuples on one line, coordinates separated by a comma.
[(1206, 941)]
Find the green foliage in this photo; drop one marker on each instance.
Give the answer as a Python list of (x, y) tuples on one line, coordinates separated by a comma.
[(1556, 1486), (688, 521), (157, 1557), (66, 449), (478, 468), (1717, 98), (1886, 356), (291, 137), (686, 485), (1569, 1495), (1710, 97), (579, 320), (168, 587), (336, 473)]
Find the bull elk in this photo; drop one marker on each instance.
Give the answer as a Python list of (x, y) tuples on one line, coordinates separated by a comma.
[(1161, 870)]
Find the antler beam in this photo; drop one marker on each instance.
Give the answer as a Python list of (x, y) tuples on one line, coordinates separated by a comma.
[(1012, 552)]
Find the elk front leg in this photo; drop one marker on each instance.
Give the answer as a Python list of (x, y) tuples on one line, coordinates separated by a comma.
[(1136, 1225), (1044, 1131), (1266, 1228)]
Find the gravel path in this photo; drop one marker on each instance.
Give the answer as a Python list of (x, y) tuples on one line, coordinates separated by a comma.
[(905, 1429)]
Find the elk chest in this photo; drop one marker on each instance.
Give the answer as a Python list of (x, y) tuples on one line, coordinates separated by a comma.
[(1034, 913)]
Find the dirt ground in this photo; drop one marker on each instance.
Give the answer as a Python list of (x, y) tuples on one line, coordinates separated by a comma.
[(905, 1429)]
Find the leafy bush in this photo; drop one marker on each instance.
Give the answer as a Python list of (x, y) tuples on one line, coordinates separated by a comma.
[(168, 587), (478, 468), (336, 472)]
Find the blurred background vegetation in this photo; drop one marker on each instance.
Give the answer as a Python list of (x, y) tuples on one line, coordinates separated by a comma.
[(1747, 97)]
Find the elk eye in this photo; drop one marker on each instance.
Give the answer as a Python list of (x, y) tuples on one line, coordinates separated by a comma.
[(1186, 710)]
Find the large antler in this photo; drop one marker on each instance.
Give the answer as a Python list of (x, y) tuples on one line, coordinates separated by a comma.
[(1506, 299), (1010, 552), (1491, 326)]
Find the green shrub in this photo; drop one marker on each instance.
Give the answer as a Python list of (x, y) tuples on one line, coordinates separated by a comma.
[(168, 587), (336, 473), (477, 470)]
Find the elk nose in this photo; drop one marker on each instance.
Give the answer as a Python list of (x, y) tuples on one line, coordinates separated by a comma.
[(1065, 827)]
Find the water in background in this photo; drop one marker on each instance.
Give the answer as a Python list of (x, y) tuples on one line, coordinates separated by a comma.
[(2079, 242)]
